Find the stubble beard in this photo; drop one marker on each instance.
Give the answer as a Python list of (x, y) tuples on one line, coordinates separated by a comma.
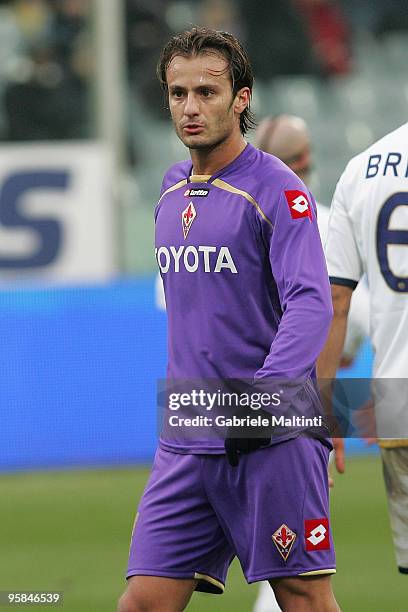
[(206, 145)]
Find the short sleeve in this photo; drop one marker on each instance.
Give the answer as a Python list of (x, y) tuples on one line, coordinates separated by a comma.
[(342, 254)]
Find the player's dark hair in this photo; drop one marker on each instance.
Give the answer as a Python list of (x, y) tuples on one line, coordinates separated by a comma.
[(201, 40)]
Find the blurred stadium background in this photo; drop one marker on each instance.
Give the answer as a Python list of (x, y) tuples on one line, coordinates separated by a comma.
[(85, 140)]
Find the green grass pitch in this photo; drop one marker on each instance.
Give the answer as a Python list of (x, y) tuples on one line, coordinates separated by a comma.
[(69, 531)]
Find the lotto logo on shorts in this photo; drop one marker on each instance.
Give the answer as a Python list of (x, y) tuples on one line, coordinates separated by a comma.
[(317, 534), (299, 204)]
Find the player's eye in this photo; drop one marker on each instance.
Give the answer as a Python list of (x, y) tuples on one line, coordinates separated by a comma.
[(206, 93), (177, 93)]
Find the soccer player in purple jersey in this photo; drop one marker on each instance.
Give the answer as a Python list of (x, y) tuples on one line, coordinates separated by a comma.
[(247, 297)]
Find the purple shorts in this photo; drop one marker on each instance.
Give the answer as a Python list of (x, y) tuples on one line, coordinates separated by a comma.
[(272, 512)]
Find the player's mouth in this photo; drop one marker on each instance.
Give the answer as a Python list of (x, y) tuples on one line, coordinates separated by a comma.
[(193, 128)]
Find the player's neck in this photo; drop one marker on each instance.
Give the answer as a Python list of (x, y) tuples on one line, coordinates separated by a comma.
[(209, 161)]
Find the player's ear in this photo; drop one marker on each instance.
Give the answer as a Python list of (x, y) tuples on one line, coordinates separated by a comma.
[(242, 99)]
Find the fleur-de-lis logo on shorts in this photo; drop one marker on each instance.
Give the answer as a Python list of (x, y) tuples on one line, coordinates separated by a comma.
[(187, 217), (284, 539)]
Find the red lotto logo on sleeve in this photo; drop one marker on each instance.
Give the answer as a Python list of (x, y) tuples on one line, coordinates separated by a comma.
[(299, 204), (317, 534)]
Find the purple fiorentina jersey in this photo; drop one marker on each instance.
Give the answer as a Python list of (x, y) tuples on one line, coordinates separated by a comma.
[(245, 279)]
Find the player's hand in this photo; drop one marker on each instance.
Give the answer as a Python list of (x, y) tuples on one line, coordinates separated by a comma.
[(346, 362), (339, 455), (365, 422), (246, 439), (234, 447), (339, 459)]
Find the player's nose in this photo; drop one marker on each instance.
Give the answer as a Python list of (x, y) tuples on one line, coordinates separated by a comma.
[(191, 106)]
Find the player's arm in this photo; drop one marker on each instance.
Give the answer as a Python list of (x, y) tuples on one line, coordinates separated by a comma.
[(329, 360), (357, 326), (299, 269), (345, 270)]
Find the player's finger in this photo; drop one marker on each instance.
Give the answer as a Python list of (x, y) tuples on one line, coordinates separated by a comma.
[(339, 456)]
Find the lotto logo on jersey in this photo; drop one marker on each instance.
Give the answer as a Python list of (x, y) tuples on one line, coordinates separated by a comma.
[(298, 203), (196, 193), (317, 534)]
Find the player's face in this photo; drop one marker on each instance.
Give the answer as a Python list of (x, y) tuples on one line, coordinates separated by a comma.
[(204, 111)]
